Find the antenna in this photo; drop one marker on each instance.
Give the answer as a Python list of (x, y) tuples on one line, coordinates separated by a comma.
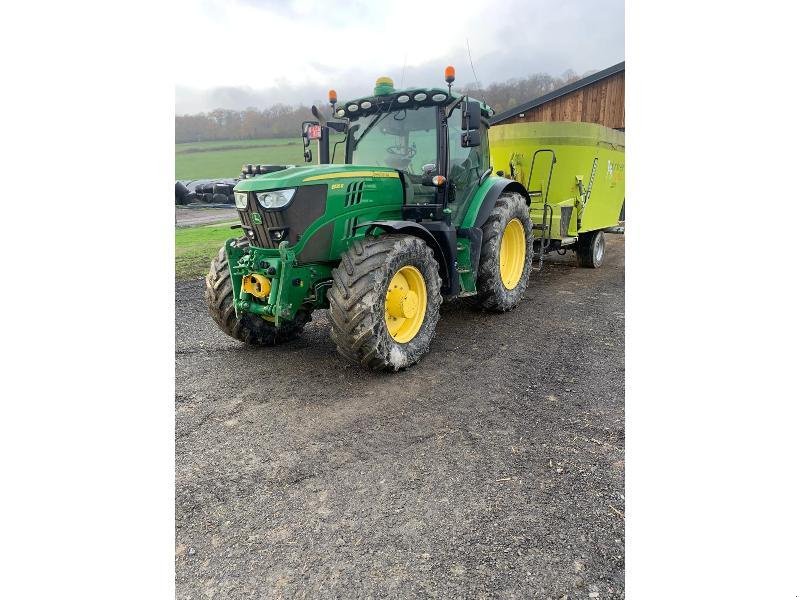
[(403, 75), (477, 85)]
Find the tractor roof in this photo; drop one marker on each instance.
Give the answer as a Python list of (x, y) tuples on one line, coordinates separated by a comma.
[(398, 99)]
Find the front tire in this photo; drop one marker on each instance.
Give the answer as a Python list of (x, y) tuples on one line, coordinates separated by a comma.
[(248, 328), (384, 302), (506, 254), (591, 249)]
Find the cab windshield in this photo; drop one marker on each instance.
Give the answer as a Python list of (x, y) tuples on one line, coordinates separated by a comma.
[(403, 139)]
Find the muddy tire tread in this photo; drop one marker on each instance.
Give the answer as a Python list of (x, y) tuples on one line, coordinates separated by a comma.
[(492, 294), (356, 301)]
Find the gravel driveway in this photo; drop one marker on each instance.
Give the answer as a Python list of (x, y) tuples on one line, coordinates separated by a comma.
[(189, 217), (492, 469)]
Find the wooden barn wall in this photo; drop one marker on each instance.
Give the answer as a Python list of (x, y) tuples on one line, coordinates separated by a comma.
[(602, 102)]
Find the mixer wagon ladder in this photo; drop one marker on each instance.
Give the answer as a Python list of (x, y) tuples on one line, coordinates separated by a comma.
[(547, 211)]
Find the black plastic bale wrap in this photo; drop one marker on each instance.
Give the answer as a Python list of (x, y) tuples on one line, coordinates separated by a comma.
[(208, 191), (182, 194), (218, 191)]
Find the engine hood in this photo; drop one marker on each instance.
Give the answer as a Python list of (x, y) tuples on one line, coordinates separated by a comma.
[(311, 175)]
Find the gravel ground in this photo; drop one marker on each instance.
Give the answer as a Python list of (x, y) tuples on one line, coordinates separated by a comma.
[(492, 469), (188, 217)]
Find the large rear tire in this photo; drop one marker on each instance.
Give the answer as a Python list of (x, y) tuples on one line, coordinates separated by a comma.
[(384, 301), (591, 249), (506, 254), (248, 328)]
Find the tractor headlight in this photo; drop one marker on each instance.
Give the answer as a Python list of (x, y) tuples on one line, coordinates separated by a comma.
[(275, 198), (240, 198)]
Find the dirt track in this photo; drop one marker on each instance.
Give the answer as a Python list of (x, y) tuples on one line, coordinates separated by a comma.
[(494, 468), (188, 217)]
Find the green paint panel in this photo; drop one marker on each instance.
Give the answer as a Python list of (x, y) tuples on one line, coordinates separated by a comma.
[(476, 202), (577, 146)]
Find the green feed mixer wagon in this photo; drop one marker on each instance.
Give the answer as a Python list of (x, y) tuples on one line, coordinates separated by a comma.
[(415, 210)]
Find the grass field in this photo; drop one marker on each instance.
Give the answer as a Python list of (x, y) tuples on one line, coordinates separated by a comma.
[(196, 246), (207, 160), (222, 144)]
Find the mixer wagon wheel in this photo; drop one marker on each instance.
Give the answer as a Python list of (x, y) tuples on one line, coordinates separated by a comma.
[(506, 254), (384, 301), (591, 249), (248, 328)]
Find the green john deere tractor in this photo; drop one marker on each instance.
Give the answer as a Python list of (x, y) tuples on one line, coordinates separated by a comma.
[(413, 216)]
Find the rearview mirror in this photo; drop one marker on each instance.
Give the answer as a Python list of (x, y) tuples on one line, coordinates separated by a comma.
[(307, 155), (470, 114), (471, 139), (318, 114)]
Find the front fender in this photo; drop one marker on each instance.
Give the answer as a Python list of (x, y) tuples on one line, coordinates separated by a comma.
[(441, 242)]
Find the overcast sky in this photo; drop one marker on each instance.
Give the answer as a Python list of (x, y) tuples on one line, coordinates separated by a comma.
[(240, 53)]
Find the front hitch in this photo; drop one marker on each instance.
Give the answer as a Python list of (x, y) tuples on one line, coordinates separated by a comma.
[(265, 284)]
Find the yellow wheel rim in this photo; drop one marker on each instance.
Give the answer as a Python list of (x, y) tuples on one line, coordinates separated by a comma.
[(512, 254), (406, 303)]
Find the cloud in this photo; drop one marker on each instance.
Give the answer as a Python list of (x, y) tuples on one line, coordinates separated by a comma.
[(259, 52)]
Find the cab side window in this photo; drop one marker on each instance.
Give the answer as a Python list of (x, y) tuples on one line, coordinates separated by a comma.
[(465, 163)]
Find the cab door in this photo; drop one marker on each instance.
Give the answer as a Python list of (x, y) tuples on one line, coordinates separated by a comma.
[(466, 164)]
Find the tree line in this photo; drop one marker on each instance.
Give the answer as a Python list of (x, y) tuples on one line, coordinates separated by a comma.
[(277, 121), (282, 120), (510, 93)]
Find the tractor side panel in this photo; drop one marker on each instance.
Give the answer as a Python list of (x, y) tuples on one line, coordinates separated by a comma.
[(351, 201)]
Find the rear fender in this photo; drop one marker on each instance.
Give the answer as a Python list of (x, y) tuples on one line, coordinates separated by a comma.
[(486, 195)]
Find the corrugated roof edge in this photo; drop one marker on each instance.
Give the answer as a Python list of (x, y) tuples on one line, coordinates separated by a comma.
[(562, 91)]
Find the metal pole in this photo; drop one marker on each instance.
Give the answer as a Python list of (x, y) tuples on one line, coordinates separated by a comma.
[(324, 147)]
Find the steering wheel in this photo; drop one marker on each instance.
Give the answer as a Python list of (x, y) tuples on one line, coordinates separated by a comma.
[(424, 176), (404, 151)]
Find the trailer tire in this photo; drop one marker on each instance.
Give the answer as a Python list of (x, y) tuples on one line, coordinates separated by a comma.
[(248, 328), (493, 293), (591, 249), (361, 304)]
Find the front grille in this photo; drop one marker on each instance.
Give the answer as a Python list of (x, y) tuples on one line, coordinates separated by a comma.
[(307, 205)]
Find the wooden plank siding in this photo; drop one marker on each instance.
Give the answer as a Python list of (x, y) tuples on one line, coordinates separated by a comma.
[(602, 102)]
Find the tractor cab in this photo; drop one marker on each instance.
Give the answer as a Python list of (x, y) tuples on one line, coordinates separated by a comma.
[(436, 140)]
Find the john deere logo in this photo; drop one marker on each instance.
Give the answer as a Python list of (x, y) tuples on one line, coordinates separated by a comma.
[(256, 218)]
